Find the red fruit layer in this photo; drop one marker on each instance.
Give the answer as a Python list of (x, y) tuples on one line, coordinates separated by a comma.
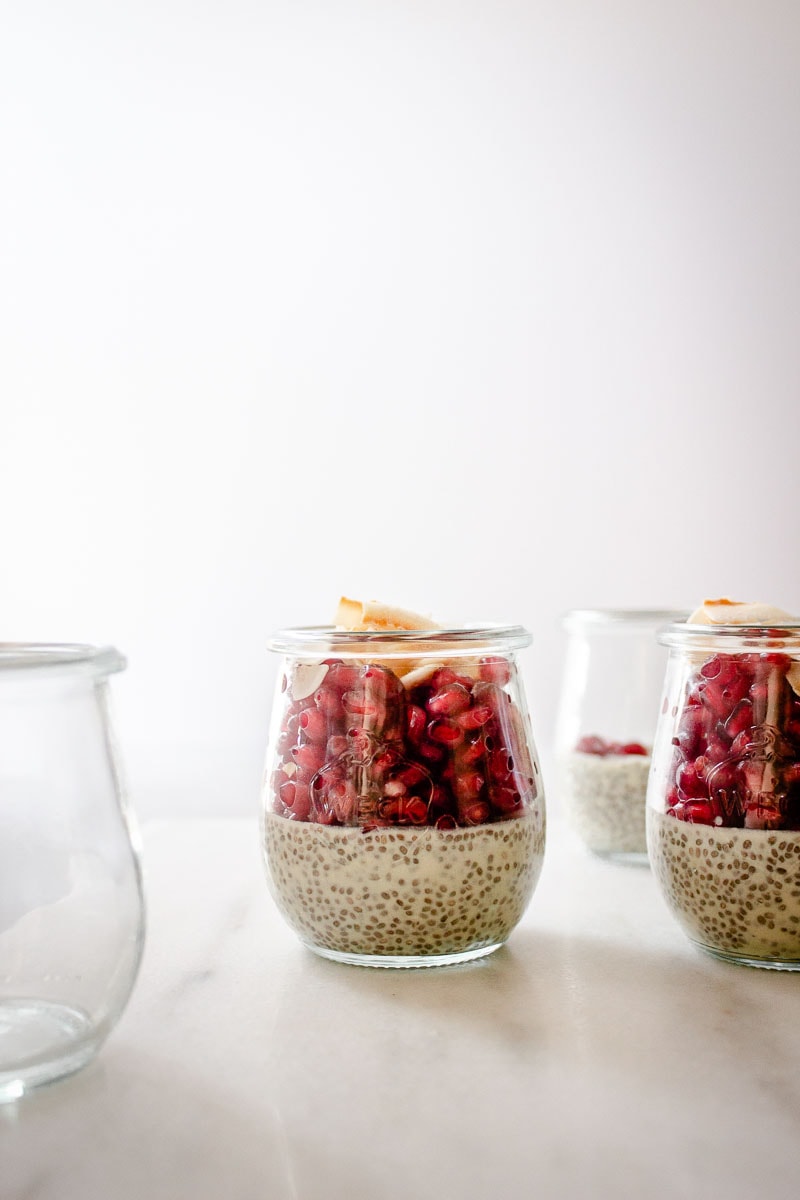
[(593, 744), (365, 751), (736, 757)]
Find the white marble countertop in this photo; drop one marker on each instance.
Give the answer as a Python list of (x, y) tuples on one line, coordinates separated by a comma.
[(597, 1054)]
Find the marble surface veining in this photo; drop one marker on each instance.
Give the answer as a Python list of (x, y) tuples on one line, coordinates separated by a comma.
[(597, 1055)]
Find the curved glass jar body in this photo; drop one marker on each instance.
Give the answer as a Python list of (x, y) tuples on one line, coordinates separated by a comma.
[(71, 909), (402, 811), (723, 811), (611, 687)]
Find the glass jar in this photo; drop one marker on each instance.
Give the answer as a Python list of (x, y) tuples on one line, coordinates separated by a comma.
[(723, 803), (403, 815), (71, 909), (611, 687)]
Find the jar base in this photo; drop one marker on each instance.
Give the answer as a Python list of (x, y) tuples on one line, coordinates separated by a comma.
[(41, 1041), (404, 961), (746, 960)]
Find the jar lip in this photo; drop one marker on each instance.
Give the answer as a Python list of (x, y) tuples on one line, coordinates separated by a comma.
[(60, 656), (734, 636), (397, 643), (579, 618)]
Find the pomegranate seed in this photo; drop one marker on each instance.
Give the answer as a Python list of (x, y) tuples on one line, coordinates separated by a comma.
[(699, 812), (445, 733), (416, 810), (412, 775), (475, 717), (344, 801), (416, 722), (494, 670), (449, 701), (689, 783), (474, 814), (634, 748), (443, 677), (506, 799), (358, 703), (430, 751), (336, 747), (691, 730), (343, 676), (314, 725), (329, 701), (309, 758), (592, 744), (301, 803), (471, 753), (740, 719), (445, 821), (469, 785), (360, 743)]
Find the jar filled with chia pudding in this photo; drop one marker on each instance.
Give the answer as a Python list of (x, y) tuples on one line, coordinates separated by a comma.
[(723, 804), (611, 687), (403, 819)]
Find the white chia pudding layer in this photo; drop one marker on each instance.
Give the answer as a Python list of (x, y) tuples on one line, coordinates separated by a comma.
[(604, 800), (736, 891), (404, 891)]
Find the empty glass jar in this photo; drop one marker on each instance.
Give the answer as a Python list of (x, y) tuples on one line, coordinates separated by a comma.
[(611, 688), (71, 909), (723, 803), (402, 812)]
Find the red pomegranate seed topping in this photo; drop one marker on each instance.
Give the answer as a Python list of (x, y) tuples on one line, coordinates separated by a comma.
[(471, 753), (737, 755), (336, 747), (475, 717), (416, 722), (449, 701), (476, 813), (363, 749), (469, 785), (592, 745), (309, 758), (445, 733), (329, 701), (314, 725), (634, 748), (494, 670)]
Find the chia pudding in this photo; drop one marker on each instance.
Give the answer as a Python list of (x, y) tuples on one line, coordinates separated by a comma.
[(604, 785), (735, 891), (403, 817), (404, 892)]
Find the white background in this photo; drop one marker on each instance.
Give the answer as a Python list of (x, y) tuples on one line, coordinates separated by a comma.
[(485, 308)]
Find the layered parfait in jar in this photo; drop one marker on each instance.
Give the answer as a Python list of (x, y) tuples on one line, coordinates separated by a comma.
[(608, 709), (605, 784), (402, 812), (723, 819)]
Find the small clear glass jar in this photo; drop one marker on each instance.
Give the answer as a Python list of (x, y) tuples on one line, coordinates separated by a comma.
[(71, 907), (403, 820), (611, 687), (723, 803)]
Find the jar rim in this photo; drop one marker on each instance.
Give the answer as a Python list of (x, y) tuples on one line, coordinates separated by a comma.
[(718, 637), (397, 643), (578, 618), (60, 656)]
